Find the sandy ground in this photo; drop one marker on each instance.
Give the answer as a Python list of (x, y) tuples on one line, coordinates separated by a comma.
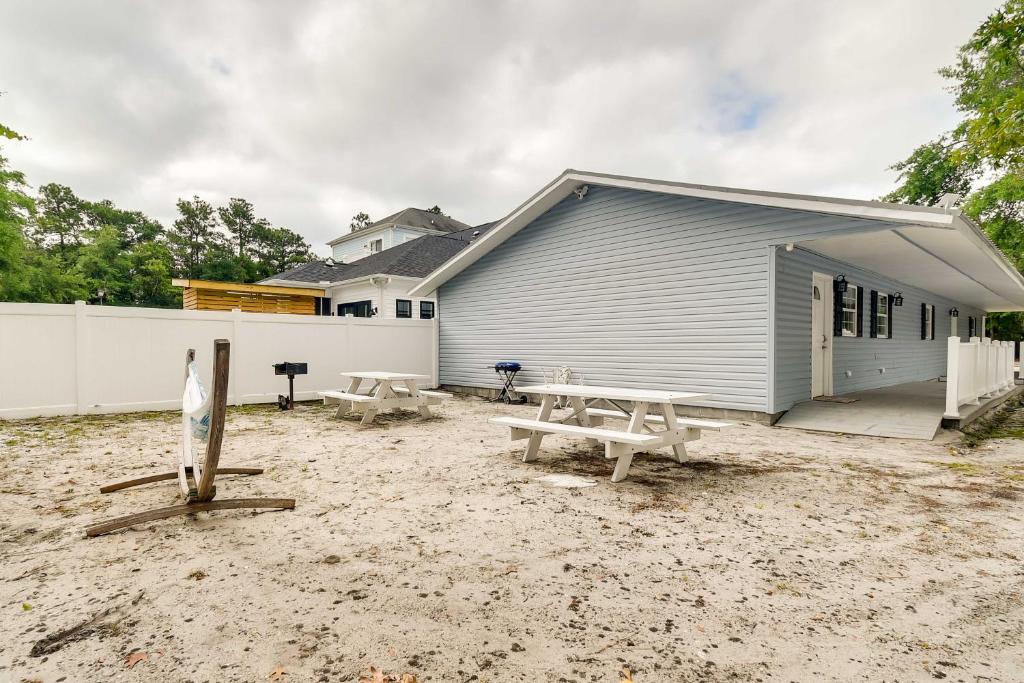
[(430, 548)]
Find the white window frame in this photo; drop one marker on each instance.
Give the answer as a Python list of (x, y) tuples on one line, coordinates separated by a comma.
[(929, 322), (882, 298), (380, 245), (851, 291)]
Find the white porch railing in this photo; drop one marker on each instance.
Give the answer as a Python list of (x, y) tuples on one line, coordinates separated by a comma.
[(975, 370)]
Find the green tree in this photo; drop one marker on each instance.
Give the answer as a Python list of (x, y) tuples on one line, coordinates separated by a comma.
[(930, 172), (360, 220), (278, 249), (16, 209), (133, 227), (988, 81), (239, 218), (9, 134), (60, 220), (983, 156), (194, 234)]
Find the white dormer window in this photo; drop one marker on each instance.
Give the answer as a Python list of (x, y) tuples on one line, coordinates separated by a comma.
[(376, 246)]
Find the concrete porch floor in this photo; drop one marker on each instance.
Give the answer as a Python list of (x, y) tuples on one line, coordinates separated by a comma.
[(905, 411)]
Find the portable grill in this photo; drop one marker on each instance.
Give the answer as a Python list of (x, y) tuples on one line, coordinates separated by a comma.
[(290, 369), (507, 370)]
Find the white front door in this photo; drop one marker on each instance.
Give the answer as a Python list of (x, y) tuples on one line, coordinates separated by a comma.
[(821, 335)]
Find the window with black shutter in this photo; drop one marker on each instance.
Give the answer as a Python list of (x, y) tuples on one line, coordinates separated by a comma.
[(927, 321), (848, 318), (881, 315), (860, 311)]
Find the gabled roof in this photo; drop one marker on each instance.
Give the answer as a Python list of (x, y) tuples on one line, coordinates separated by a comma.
[(414, 258), (944, 245), (419, 219)]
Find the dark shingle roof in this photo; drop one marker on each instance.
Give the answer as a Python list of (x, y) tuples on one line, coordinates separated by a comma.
[(415, 258), (418, 218), (314, 271)]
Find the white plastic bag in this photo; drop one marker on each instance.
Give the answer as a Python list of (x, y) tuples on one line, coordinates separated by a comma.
[(195, 406)]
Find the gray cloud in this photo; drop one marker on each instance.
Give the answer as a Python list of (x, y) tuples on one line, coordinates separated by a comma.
[(315, 111)]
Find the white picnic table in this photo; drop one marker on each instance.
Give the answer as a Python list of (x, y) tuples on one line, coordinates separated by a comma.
[(644, 431), (383, 395)]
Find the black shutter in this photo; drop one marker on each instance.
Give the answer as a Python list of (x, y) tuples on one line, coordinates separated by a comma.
[(837, 310), (933, 324), (860, 311), (890, 309), (873, 320), (924, 332)]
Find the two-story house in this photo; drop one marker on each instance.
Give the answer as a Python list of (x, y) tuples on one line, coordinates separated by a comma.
[(378, 285), (398, 228)]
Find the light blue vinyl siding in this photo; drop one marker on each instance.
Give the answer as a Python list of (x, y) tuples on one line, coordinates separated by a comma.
[(905, 356), (632, 289)]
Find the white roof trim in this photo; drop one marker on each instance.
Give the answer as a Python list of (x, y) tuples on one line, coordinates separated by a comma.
[(335, 283), (559, 188)]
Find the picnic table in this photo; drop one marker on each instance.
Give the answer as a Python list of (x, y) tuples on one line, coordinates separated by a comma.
[(644, 432), (383, 394)]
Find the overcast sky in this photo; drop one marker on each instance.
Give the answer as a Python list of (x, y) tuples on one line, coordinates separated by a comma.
[(314, 111)]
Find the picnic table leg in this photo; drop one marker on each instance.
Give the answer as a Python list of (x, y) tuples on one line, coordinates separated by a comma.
[(668, 411), (379, 391), (346, 406), (623, 453), (582, 417), (414, 391), (533, 445)]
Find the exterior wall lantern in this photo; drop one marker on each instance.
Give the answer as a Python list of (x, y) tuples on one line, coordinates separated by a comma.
[(953, 313), (841, 283), (897, 299)]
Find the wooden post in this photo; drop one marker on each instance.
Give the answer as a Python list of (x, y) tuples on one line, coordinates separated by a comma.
[(218, 408), (198, 496)]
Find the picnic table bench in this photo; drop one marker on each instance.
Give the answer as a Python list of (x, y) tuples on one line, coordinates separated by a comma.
[(619, 445), (383, 394)]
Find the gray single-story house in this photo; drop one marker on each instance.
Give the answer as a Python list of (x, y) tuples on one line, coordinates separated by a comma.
[(762, 299)]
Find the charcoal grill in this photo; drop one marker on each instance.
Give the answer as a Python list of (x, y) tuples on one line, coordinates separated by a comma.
[(290, 369)]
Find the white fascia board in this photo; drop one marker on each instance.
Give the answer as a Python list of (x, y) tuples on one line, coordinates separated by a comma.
[(559, 188), (296, 283), (367, 278)]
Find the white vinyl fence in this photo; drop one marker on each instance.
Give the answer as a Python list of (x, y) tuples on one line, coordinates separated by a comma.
[(977, 369), (64, 359)]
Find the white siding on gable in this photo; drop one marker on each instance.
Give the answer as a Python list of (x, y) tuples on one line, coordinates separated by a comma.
[(905, 357), (359, 247), (632, 289)]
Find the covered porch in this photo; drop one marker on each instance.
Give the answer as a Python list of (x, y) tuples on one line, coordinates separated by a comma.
[(913, 410)]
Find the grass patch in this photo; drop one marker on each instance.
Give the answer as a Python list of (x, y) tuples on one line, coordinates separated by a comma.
[(962, 467), (1004, 423)]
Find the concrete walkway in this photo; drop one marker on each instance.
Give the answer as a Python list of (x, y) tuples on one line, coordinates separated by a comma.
[(905, 411)]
